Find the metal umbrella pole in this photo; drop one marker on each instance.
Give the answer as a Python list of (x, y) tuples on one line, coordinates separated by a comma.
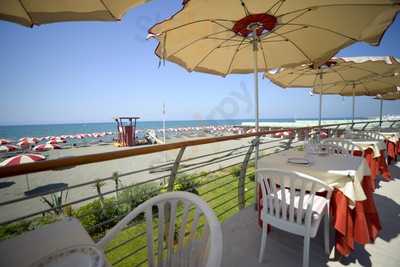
[(320, 109), (354, 104), (256, 98), (381, 114)]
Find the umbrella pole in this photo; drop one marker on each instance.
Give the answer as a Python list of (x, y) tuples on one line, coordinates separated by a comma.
[(381, 114), (320, 110), (27, 182), (354, 105), (255, 49), (256, 99)]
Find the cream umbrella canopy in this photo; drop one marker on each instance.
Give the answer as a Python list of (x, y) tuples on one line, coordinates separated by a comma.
[(236, 36), (384, 79), (347, 76), (36, 12), (388, 96)]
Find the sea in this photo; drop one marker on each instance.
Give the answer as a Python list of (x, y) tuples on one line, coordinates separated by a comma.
[(15, 132)]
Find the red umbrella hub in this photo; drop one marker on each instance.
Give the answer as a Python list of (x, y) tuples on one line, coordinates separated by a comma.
[(262, 22)]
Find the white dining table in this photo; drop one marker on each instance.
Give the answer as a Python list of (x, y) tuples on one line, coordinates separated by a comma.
[(344, 173), (28, 248)]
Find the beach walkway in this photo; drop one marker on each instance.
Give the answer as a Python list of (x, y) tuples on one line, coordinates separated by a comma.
[(242, 238)]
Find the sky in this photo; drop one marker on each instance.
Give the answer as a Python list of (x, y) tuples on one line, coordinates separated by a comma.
[(92, 71)]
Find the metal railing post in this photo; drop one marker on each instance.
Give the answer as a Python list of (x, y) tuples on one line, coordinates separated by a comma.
[(115, 177), (336, 130), (174, 170), (365, 126)]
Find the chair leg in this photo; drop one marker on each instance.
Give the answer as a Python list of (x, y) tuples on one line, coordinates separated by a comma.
[(263, 242), (326, 233), (306, 250)]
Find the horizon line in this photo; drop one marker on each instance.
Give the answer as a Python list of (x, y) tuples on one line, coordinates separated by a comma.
[(179, 120)]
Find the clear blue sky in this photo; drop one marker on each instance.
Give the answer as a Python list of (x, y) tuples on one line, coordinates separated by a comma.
[(92, 71)]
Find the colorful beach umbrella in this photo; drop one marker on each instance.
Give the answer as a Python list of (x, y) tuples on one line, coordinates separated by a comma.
[(56, 141), (8, 148), (36, 12), (223, 37), (32, 140), (26, 143), (346, 76), (22, 159), (5, 141), (45, 147)]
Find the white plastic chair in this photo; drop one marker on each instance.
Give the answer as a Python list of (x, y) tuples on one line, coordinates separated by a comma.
[(368, 135), (290, 204), (190, 249), (342, 147)]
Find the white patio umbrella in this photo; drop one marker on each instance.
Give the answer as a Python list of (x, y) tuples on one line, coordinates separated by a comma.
[(36, 12), (380, 82), (223, 37), (388, 96), (344, 76)]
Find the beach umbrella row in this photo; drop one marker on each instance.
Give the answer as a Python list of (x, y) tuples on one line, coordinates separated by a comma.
[(343, 76)]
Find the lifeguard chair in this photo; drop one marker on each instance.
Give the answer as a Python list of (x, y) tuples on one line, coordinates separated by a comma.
[(126, 129)]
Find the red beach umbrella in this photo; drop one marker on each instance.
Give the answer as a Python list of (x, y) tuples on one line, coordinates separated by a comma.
[(8, 148), (22, 159), (31, 140), (4, 142), (56, 141), (26, 143), (46, 147)]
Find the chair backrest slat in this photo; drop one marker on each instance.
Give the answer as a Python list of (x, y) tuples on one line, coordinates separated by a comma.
[(171, 231), (275, 208), (182, 230), (283, 193), (291, 204), (149, 233), (299, 213), (309, 204), (161, 226)]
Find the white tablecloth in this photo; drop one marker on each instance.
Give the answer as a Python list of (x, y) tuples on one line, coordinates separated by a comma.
[(28, 248), (343, 173)]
